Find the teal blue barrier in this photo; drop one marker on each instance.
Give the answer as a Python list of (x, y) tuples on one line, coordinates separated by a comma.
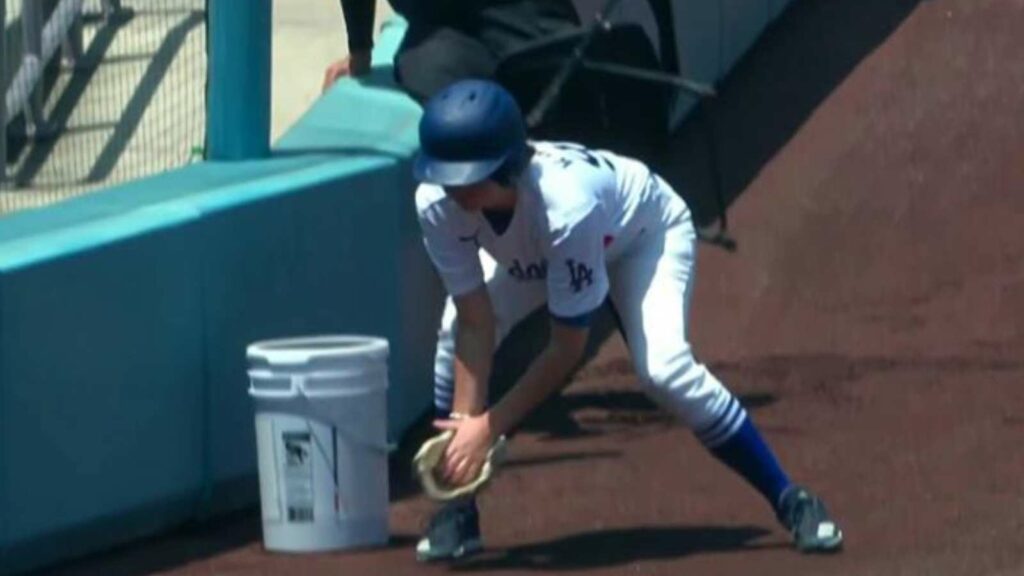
[(124, 316), (101, 429)]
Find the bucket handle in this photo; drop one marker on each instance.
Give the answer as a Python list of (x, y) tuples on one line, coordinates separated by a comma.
[(385, 449), (380, 448), (353, 438)]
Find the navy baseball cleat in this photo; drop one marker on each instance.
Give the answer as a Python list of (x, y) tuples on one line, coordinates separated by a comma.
[(805, 516), (453, 533)]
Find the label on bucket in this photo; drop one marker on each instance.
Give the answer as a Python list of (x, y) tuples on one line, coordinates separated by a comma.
[(298, 476)]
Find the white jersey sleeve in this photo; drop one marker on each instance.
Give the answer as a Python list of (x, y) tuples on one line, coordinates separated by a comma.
[(577, 276), (454, 251)]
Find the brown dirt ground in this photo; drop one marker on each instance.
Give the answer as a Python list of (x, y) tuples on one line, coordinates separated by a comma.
[(870, 321)]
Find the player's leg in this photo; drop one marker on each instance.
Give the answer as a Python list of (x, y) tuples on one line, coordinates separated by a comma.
[(651, 291), (454, 531)]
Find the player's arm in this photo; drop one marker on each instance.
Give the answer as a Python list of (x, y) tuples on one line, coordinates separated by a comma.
[(577, 286), (467, 451), (548, 373), (474, 350)]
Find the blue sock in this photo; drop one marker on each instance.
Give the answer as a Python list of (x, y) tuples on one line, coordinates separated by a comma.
[(745, 452)]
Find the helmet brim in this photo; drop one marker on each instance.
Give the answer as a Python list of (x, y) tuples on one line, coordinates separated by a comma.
[(445, 173)]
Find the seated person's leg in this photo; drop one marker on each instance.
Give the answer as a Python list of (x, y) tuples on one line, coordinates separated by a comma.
[(505, 26), (431, 58)]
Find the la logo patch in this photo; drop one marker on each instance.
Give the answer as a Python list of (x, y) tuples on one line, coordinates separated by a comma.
[(580, 275)]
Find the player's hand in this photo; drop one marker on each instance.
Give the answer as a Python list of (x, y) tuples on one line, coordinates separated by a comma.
[(467, 451), (355, 64)]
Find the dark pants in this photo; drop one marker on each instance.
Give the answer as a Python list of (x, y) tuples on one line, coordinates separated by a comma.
[(450, 40)]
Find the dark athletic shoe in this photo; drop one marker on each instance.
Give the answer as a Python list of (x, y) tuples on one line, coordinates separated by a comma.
[(805, 516), (453, 533)]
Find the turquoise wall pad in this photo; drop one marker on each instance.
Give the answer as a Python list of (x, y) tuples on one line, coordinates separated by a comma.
[(124, 317)]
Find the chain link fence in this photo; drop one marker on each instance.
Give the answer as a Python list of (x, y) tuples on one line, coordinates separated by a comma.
[(99, 92)]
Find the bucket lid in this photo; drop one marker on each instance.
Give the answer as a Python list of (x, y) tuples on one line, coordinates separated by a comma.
[(326, 351)]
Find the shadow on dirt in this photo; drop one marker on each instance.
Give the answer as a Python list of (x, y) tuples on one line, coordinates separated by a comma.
[(617, 547)]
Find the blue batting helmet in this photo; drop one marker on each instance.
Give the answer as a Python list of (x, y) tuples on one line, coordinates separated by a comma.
[(468, 132)]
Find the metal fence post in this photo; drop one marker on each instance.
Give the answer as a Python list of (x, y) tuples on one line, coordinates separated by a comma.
[(238, 109)]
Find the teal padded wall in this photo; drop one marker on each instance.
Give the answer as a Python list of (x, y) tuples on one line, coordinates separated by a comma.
[(100, 415), (124, 317)]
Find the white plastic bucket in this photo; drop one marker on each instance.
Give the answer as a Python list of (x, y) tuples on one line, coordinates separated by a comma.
[(321, 441)]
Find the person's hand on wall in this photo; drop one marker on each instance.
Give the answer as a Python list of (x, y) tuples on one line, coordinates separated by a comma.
[(355, 64)]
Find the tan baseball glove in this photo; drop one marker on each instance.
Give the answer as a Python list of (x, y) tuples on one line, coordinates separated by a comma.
[(431, 453)]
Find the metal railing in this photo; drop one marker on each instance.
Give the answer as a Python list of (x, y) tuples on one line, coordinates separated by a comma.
[(41, 39)]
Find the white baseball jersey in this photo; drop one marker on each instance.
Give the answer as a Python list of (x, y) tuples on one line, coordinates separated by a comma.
[(577, 209)]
